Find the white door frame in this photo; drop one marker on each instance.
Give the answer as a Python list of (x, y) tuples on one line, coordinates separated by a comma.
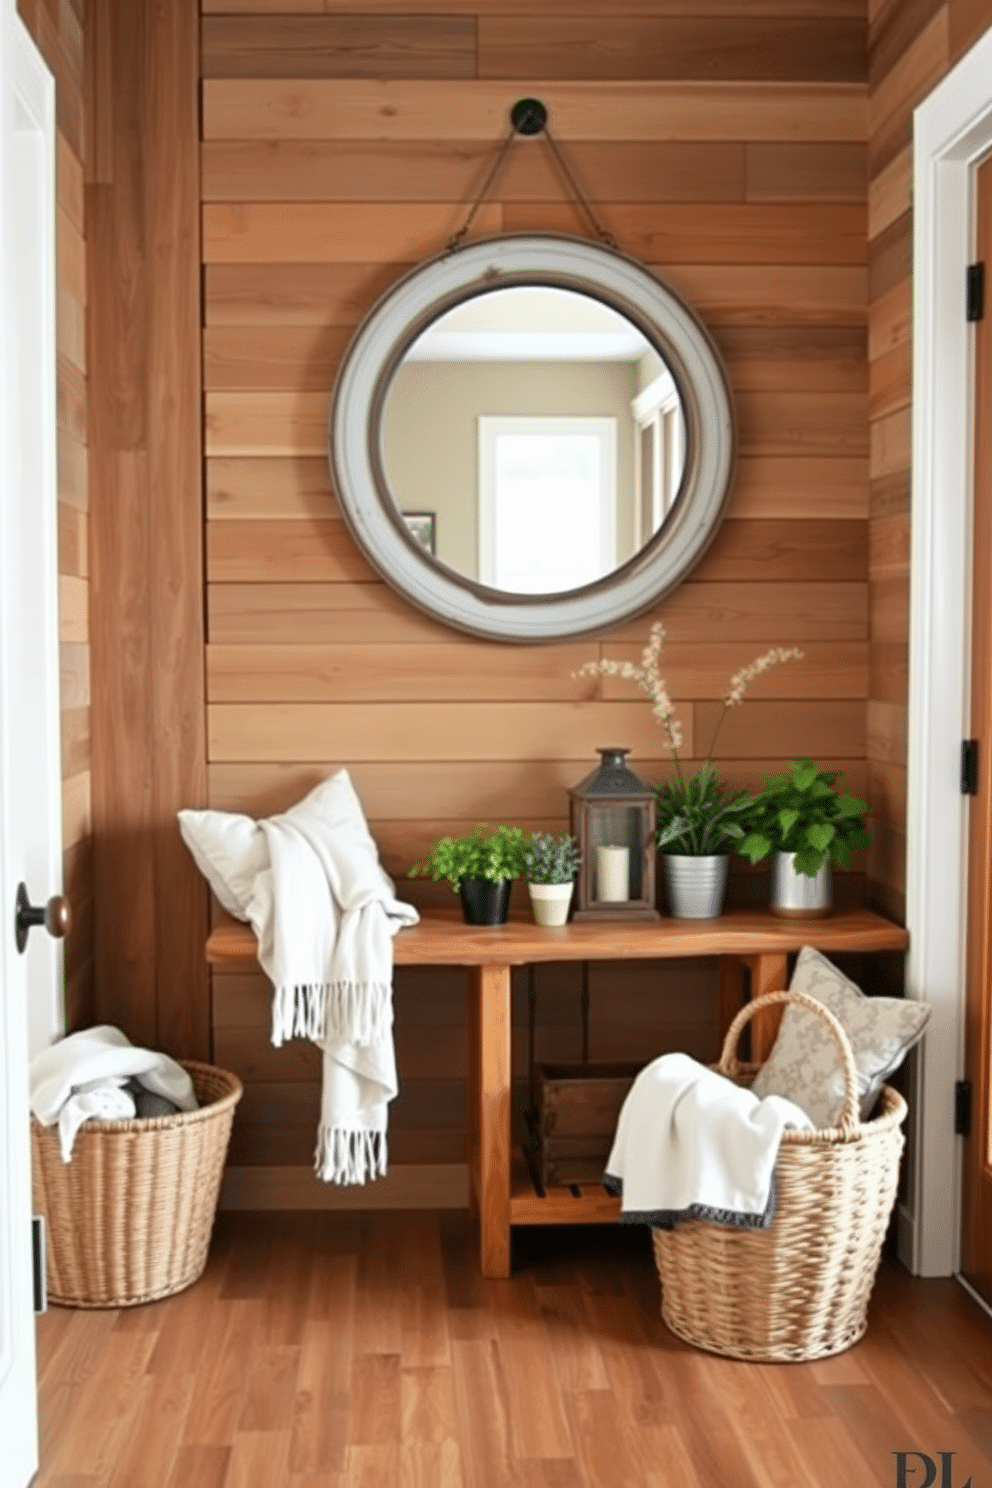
[(952, 132), (30, 777)]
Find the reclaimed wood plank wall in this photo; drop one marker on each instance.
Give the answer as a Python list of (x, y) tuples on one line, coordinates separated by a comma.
[(727, 150), (58, 31), (756, 155), (911, 47)]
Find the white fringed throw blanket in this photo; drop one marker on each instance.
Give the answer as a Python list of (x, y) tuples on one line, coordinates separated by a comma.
[(310, 884), (690, 1144)]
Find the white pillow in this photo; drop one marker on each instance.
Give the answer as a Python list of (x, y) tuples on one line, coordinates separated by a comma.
[(230, 852), (804, 1064)]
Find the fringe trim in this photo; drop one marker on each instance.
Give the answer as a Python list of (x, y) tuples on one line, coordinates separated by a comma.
[(347, 1156), (354, 1012)]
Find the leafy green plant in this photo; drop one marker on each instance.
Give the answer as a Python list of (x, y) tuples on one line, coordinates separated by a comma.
[(804, 813), (697, 816), (551, 859), (495, 856)]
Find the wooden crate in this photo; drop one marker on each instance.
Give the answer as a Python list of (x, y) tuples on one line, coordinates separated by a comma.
[(574, 1118)]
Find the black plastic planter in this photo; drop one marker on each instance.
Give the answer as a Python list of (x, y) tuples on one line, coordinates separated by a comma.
[(485, 903)]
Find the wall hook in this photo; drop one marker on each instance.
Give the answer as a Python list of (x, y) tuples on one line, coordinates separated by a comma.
[(528, 116)]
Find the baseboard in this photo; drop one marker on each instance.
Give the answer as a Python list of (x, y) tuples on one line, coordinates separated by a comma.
[(905, 1237), (406, 1186)]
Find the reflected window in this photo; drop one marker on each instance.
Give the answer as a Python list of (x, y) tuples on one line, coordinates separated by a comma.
[(660, 450), (547, 502), (553, 360)]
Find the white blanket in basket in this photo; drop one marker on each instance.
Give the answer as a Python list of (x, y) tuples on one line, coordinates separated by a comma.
[(83, 1077), (690, 1144)]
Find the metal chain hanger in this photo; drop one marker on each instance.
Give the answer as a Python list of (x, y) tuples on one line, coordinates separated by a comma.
[(529, 117)]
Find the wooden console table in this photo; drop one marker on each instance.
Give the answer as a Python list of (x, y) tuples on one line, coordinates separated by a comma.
[(757, 943)]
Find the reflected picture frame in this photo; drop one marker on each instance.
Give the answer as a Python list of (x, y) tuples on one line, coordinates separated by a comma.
[(422, 526)]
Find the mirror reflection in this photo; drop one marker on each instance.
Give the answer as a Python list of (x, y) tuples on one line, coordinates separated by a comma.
[(542, 431)]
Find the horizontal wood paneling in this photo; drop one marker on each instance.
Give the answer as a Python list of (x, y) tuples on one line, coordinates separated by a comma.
[(305, 550), (893, 96), (465, 790), (725, 148), (304, 358), (782, 171), (58, 33), (366, 46), (410, 731), (761, 233), (478, 672), (350, 613), (329, 232), (73, 608), (340, 294), (770, 551), (422, 110), (967, 21), (911, 46), (446, 170), (71, 327), (770, 48)]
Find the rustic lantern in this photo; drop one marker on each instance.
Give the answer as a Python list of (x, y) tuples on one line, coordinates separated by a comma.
[(612, 814)]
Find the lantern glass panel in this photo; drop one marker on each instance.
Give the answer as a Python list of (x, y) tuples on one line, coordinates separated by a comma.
[(613, 825)]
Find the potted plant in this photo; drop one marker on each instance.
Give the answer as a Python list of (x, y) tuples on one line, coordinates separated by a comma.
[(698, 817), (551, 863), (810, 826), (698, 823), (481, 867)]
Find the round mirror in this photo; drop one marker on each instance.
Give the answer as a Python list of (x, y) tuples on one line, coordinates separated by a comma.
[(532, 438)]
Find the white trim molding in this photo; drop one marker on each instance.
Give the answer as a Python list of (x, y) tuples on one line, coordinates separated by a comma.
[(952, 133)]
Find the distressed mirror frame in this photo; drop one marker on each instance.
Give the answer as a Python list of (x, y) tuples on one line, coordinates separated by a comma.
[(362, 387)]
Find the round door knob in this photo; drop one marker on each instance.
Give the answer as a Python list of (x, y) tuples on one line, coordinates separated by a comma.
[(56, 916)]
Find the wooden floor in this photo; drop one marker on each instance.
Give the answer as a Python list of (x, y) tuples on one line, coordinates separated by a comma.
[(321, 1350)]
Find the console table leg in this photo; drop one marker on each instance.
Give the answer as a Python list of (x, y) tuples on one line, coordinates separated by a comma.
[(769, 973), (731, 993), (489, 1100)]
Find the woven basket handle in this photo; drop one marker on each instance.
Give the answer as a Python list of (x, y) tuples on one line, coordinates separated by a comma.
[(849, 1122)]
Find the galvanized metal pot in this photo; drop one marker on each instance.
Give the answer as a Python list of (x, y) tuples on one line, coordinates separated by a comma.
[(796, 893), (695, 886)]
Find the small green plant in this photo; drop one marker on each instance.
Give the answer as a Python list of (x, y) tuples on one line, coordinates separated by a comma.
[(697, 816), (804, 813), (550, 859), (495, 856)]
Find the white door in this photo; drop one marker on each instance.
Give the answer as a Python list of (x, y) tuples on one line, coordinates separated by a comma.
[(30, 809)]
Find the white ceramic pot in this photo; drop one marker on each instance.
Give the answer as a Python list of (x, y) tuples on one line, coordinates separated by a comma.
[(550, 902), (695, 886), (796, 894)]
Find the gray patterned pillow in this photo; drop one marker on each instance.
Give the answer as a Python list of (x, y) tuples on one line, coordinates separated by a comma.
[(804, 1064)]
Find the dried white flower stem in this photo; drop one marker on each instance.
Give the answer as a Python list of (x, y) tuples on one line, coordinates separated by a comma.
[(648, 678), (741, 681)]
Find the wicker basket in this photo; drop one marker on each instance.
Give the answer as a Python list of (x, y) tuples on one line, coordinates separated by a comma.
[(799, 1289), (129, 1219)]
